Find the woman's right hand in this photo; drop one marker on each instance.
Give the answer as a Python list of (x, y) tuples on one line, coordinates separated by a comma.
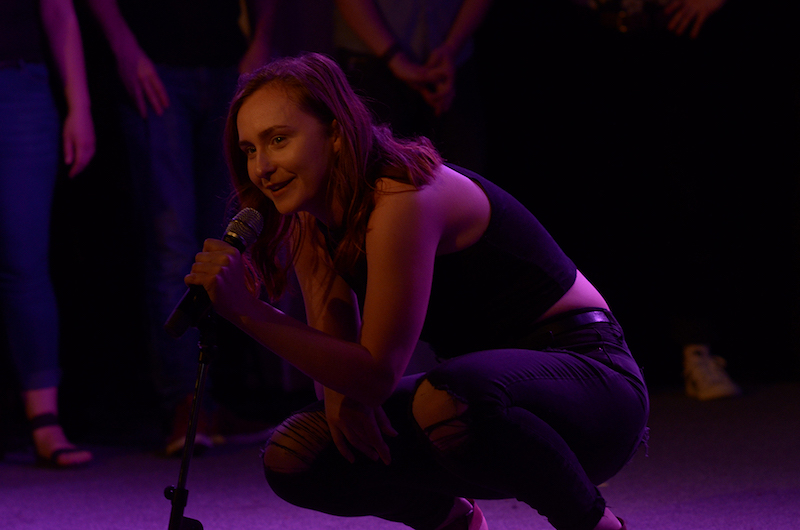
[(354, 425), (219, 268)]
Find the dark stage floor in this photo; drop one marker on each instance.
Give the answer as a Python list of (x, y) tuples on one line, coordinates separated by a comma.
[(711, 466)]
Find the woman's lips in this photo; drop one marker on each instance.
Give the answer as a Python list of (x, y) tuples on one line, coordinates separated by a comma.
[(276, 187)]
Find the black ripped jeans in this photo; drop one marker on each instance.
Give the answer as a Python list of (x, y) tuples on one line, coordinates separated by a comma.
[(543, 424)]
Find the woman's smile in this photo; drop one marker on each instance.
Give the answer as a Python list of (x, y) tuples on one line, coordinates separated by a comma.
[(277, 187)]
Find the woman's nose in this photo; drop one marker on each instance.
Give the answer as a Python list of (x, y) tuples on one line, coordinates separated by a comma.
[(264, 166)]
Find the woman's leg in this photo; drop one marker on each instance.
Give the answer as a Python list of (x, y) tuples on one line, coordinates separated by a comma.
[(180, 190), (29, 160), (303, 467), (542, 427), (29, 146)]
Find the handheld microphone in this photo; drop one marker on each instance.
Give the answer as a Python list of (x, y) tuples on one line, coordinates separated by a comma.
[(243, 230)]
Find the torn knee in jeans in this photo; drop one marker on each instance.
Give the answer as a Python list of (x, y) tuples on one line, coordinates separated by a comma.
[(440, 415), (296, 443)]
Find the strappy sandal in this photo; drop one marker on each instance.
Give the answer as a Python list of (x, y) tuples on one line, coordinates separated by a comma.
[(50, 420)]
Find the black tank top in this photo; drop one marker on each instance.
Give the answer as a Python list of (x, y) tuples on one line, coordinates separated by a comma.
[(489, 295)]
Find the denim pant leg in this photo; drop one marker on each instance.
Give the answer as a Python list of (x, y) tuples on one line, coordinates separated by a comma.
[(545, 423), (180, 190), (30, 132), (544, 427)]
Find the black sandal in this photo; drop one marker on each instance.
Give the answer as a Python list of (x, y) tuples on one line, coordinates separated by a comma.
[(50, 420)]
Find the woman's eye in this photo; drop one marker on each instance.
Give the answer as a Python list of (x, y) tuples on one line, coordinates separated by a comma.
[(278, 139)]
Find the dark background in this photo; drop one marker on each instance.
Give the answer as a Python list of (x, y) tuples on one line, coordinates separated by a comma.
[(665, 167)]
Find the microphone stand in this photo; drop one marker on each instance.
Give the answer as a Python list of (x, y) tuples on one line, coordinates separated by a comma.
[(179, 494)]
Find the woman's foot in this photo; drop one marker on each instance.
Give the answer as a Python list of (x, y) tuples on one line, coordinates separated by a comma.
[(52, 447), (465, 515), (50, 443), (610, 522)]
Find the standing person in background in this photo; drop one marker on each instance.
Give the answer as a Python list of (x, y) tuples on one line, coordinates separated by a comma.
[(415, 61), (704, 374), (34, 142), (630, 87), (179, 63), (693, 180)]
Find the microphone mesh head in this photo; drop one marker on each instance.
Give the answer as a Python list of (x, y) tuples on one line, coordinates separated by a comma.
[(246, 226)]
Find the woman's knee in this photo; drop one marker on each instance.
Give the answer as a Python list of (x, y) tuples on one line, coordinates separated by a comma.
[(440, 414), (296, 443)]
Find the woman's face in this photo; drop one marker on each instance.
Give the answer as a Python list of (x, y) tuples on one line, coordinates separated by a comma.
[(288, 151)]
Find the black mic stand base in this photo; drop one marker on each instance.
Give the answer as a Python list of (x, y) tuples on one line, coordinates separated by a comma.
[(179, 494)]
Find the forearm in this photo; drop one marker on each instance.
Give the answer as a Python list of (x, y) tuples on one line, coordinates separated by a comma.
[(343, 366), (467, 22), (63, 31), (262, 20), (113, 24), (367, 22), (260, 24)]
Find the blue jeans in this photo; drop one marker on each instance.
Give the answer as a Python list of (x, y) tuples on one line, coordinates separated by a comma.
[(180, 189), (544, 423), (30, 141)]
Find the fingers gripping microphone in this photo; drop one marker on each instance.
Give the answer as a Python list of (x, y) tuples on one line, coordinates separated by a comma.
[(241, 232)]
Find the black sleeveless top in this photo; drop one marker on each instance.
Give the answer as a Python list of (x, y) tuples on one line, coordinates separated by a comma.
[(489, 295)]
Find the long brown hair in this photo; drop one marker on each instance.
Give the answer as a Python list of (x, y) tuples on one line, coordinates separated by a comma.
[(368, 152)]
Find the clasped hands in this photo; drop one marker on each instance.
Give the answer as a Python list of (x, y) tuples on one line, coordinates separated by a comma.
[(684, 14), (434, 80)]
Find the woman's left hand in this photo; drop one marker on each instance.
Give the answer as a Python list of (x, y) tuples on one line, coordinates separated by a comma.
[(220, 270), (354, 424)]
